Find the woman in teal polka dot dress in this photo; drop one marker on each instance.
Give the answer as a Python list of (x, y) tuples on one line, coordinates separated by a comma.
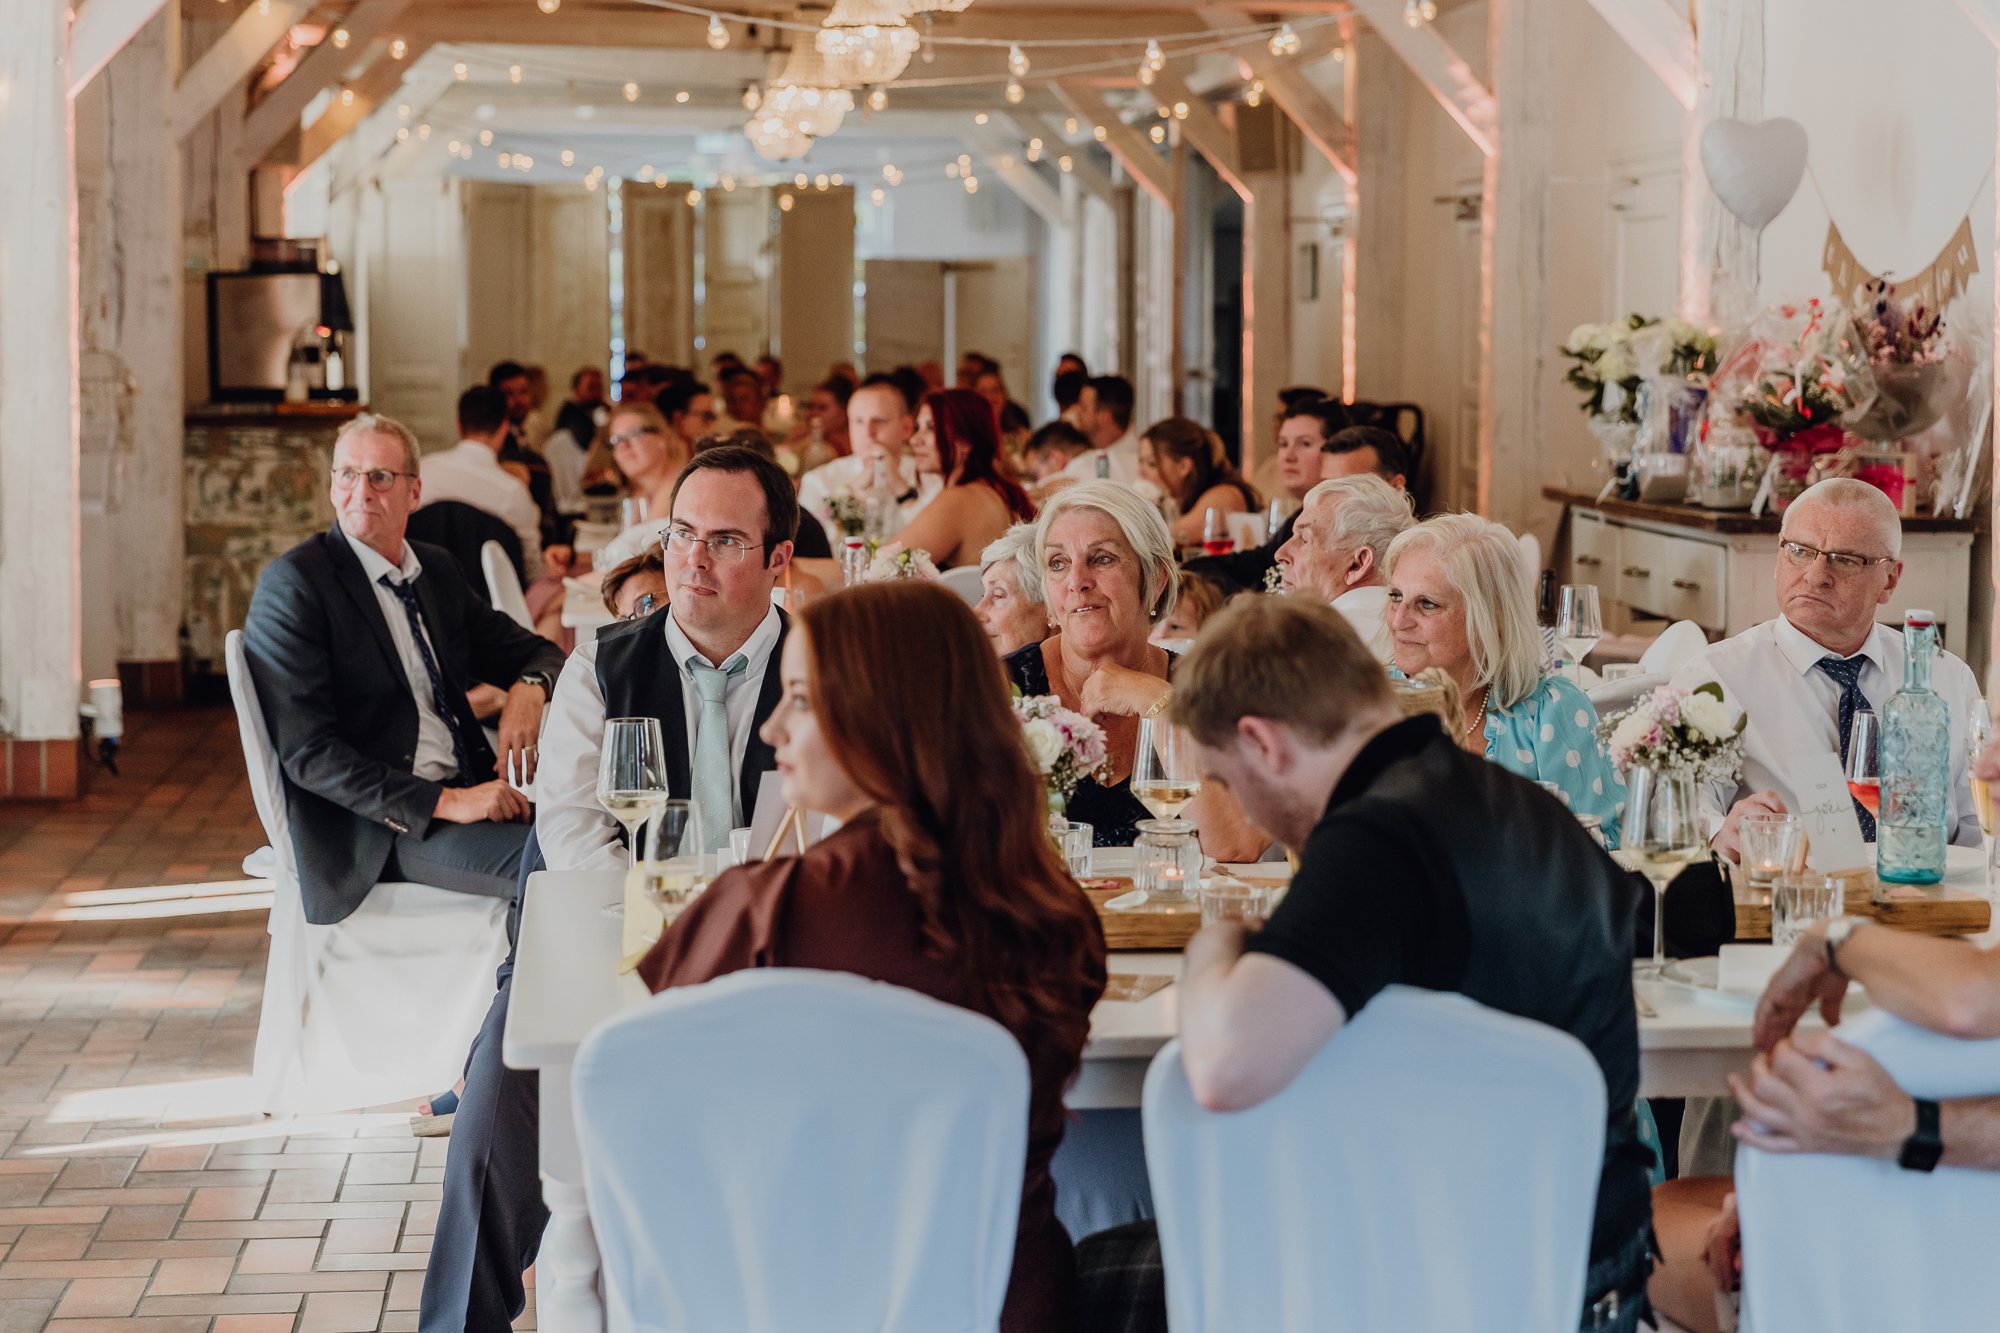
[(1459, 601)]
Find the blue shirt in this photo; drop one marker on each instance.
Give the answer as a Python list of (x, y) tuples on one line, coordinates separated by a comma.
[(1551, 736)]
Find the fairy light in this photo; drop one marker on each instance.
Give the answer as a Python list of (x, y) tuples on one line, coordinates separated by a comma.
[(568, 158), (878, 100), (1015, 93), (1158, 134), (486, 138), (514, 73), (1146, 76), (681, 97), (347, 97), (693, 197), (505, 161), (1099, 133), (784, 203), (1339, 55), (341, 37), (1285, 41), (972, 185), (460, 72), (753, 97), (1065, 163), (424, 132), (878, 196), (718, 36), (1181, 111), (646, 172), (1017, 61), (838, 180), (819, 181), (548, 6), (1255, 97), (729, 184), (1156, 59), (402, 134), (801, 180), (951, 170), (980, 119), (631, 92), (1413, 14), (403, 111), (1034, 150), (398, 49), (1070, 126), (453, 147)]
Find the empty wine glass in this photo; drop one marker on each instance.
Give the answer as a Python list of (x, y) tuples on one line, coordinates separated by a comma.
[(1864, 760), (1661, 835), (1579, 623), (632, 774), (1164, 776)]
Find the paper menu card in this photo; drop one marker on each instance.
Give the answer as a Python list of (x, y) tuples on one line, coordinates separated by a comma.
[(1827, 809)]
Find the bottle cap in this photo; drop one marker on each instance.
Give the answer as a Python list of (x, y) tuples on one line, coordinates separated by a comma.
[(1916, 619)]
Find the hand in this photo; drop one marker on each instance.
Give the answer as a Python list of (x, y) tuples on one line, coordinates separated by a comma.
[(1756, 803), (489, 802), (557, 559), (1815, 1093), (1722, 1247), (1120, 691), (1803, 978), (519, 726)]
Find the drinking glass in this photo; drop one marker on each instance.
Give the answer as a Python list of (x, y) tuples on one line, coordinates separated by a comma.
[(739, 846), (632, 774), (1215, 538), (1799, 900), (1661, 835), (1978, 735), (1579, 623), (1164, 776), (632, 511), (1864, 759), (853, 561), (675, 869), (1275, 516), (1075, 840), (1773, 845), (1224, 898)]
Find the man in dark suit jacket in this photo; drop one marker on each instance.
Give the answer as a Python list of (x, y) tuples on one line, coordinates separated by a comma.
[(362, 645), (707, 667)]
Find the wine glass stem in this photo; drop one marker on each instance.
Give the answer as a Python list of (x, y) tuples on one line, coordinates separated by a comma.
[(1659, 925)]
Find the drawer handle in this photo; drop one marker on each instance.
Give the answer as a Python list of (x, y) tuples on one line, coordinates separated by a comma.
[(1687, 585), (1588, 560), (1635, 572)]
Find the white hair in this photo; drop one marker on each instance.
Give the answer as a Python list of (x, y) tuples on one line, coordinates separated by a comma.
[(1138, 522), (1016, 546), (1482, 561), (1367, 511), (1856, 497), (374, 423)]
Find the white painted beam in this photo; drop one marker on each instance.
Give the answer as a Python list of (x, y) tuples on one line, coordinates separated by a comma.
[(372, 148), (278, 113), (1985, 15), (1200, 128), (1005, 155), (223, 67), (1083, 168), (1663, 39), (375, 86), (1443, 72), (100, 31), (1132, 149), (1321, 125)]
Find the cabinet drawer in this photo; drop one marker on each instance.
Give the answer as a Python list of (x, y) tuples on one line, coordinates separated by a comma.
[(1636, 572), (1688, 581), (1593, 546)]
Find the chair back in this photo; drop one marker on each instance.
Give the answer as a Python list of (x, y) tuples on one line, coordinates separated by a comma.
[(503, 587), (1855, 1245), (1609, 696), (964, 580), (1678, 644), (1434, 1166), (267, 779), (462, 529), (787, 1149)]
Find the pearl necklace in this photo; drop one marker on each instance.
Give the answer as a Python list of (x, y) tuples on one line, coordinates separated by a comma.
[(1479, 718)]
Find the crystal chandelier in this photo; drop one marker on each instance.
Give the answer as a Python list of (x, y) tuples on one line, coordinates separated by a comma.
[(776, 138), (866, 41)]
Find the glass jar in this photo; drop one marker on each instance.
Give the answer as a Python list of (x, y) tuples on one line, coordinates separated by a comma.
[(1167, 862)]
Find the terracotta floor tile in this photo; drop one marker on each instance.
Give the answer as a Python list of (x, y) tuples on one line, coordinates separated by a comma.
[(53, 1243), (341, 1312), (363, 1236), (189, 1277), (218, 1205), (279, 1256), (254, 1323), (24, 1316), (100, 1298)]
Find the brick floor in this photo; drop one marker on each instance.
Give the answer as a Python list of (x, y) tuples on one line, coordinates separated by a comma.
[(136, 1191)]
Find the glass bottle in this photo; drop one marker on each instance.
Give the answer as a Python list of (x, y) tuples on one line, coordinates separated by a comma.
[(878, 501), (1911, 828)]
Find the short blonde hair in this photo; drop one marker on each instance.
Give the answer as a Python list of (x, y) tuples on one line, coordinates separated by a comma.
[(374, 423), (1482, 560), (1368, 512), (1017, 545), (1138, 522), (1856, 497)]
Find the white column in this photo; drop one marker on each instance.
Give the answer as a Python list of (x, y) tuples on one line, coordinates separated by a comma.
[(40, 589), (1375, 222), (1267, 312), (1719, 255)]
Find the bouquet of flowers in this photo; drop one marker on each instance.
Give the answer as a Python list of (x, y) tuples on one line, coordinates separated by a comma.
[(849, 513), (895, 561), (1066, 746), (1613, 360), (1800, 376), (1917, 377), (1676, 730)]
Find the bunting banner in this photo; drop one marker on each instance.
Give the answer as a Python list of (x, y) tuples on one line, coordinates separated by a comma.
[(1936, 287)]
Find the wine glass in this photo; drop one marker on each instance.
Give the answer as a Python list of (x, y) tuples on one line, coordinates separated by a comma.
[(675, 868), (1864, 760), (632, 774), (1215, 538), (1579, 623), (1164, 776), (1662, 833)]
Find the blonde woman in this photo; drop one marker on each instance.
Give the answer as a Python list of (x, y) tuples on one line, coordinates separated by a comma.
[(1458, 602)]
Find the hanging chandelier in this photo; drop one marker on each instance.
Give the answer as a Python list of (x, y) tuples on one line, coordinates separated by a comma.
[(776, 139), (866, 41)]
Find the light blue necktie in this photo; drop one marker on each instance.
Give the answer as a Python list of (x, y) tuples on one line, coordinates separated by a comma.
[(712, 782)]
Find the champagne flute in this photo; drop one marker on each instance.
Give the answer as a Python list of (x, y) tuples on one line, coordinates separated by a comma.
[(1579, 623), (1864, 760), (632, 774), (1978, 735), (1661, 835), (1164, 776)]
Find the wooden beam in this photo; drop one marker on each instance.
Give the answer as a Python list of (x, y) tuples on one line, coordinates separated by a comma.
[(1005, 155), (325, 65), (1663, 39), (1985, 16), (374, 147), (1442, 71), (100, 31), (1131, 149), (1200, 128), (375, 86), (1083, 168), (223, 67), (1308, 108)]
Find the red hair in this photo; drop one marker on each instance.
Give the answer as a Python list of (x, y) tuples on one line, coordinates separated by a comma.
[(968, 439)]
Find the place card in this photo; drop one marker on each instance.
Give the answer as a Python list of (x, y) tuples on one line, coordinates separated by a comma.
[(1827, 809)]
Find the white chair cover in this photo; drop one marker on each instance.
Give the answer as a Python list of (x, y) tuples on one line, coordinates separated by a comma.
[(1434, 1167), (1608, 696), (380, 1007), (1853, 1245), (964, 581), (1676, 647), (786, 1149), (503, 586), (1531, 560)]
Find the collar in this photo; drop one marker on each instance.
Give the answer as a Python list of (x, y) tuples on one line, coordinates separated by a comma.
[(755, 648), (1804, 653), (1393, 743), (474, 449), (1367, 597), (374, 566)]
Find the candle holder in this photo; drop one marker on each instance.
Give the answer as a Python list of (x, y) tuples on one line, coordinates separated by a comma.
[(1167, 864)]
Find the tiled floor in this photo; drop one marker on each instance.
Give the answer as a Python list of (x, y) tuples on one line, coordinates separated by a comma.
[(136, 1191)]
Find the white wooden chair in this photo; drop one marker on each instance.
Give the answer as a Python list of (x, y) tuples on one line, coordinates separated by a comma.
[(503, 586), (964, 581)]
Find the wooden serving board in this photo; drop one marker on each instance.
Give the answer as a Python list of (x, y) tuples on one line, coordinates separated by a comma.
[(1139, 930), (1935, 909)]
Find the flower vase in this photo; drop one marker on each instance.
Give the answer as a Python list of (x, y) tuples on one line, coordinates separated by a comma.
[(1058, 814), (1791, 473)]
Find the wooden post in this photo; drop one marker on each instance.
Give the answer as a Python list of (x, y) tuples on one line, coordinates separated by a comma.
[(1373, 344), (1719, 255)]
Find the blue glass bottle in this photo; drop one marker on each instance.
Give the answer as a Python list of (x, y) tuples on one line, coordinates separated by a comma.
[(1916, 766)]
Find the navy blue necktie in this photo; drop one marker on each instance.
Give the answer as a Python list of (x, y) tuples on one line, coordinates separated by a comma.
[(439, 699), (1846, 673)]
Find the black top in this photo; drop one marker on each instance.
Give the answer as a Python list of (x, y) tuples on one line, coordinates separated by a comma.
[(1246, 569), (812, 542), (1113, 813), (1434, 868)]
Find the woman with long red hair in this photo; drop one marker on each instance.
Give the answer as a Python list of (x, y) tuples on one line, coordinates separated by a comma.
[(958, 438), (941, 878)]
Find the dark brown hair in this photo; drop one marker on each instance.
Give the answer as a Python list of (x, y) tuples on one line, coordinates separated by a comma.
[(968, 443), (928, 734), (1178, 437), (621, 573), (1285, 659), (781, 498)]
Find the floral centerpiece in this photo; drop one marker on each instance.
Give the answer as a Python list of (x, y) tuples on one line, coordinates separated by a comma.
[(1795, 382), (1678, 731), (895, 561), (1065, 746), (1908, 354), (1614, 360), (850, 515)]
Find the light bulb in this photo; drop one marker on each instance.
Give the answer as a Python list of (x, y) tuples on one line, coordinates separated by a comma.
[(1099, 133), (1413, 15), (1180, 111), (398, 49), (972, 185), (694, 197), (1339, 55), (513, 73), (1146, 76), (1156, 59), (951, 170), (877, 195), (402, 134), (453, 147), (1034, 150), (1069, 125), (718, 36), (802, 180), (753, 98), (403, 111), (646, 172), (1255, 97), (631, 92), (424, 132), (1065, 162), (568, 158), (1158, 134), (486, 138), (1017, 61), (341, 37), (681, 97), (548, 6), (1284, 42), (878, 100), (819, 181), (1429, 9), (505, 161), (347, 97), (784, 203), (459, 71)]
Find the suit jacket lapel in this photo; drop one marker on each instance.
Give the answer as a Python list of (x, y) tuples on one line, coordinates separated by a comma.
[(353, 580), (758, 757)]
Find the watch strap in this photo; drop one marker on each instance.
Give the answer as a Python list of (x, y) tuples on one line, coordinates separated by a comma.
[(1925, 1145)]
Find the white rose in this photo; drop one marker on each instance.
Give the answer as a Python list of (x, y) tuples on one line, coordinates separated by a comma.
[(1613, 366), (1631, 732), (1045, 742), (1710, 718), (1587, 338)]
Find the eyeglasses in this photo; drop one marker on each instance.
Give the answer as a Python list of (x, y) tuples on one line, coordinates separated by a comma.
[(379, 479), (724, 550), (626, 437), (647, 604), (1840, 562)]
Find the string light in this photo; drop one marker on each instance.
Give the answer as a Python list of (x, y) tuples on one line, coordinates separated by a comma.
[(341, 37), (1284, 42), (1065, 163), (631, 92), (729, 184), (819, 181), (646, 172), (1016, 93), (802, 180), (460, 72), (980, 119), (1413, 14), (1017, 61), (486, 138), (951, 170), (838, 180), (424, 132), (972, 185), (1158, 134), (681, 97), (753, 97), (718, 36), (1156, 59), (693, 197), (453, 147), (1146, 76), (568, 158), (1099, 133), (398, 49), (548, 6), (1070, 125), (403, 111), (1339, 55), (513, 73), (1255, 97), (505, 161), (1034, 150), (1181, 111), (878, 100), (877, 195), (347, 97), (402, 134)]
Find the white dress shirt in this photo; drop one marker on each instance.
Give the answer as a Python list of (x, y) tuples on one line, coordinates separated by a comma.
[(1771, 672), (1122, 455), (850, 474), (436, 759), (1364, 608), (566, 455), (471, 473), (574, 831)]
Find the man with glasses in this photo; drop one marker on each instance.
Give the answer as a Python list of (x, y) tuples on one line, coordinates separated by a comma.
[(1801, 677), (362, 645)]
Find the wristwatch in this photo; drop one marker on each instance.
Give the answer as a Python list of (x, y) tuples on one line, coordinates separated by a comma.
[(1925, 1145), (1836, 935), (541, 678)]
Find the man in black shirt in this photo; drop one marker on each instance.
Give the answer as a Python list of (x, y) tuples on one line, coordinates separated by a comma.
[(1420, 864)]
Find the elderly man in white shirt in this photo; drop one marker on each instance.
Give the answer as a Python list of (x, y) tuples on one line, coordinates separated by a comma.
[(880, 422), (1839, 559), (1107, 407), (470, 472), (1335, 551)]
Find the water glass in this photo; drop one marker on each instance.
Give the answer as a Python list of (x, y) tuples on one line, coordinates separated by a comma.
[(739, 846), (632, 511), (1074, 840), (1799, 900), (1773, 845), (1224, 898), (671, 884)]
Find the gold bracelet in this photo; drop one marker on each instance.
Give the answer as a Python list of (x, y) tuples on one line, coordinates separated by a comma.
[(1159, 704)]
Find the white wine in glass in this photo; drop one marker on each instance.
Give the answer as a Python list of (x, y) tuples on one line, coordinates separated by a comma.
[(632, 774), (1164, 776), (1579, 623), (1661, 835)]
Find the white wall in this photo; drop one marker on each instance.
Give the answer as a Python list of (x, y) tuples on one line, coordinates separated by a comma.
[(934, 218)]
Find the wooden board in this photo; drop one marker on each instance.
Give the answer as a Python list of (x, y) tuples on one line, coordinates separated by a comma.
[(1941, 909), (1140, 930)]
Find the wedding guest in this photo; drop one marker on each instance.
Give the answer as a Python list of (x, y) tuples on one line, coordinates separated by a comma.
[(942, 851), (1049, 450), (1339, 546), (880, 422), (1011, 609), (1201, 597), (971, 365), (743, 399), (1801, 676), (1352, 450), (514, 381), (820, 436), (651, 457), (1071, 363), (470, 472), (1107, 421), (1458, 601), (1068, 390), (1107, 567), (957, 441), (637, 587), (568, 446), (689, 410), (1184, 458)]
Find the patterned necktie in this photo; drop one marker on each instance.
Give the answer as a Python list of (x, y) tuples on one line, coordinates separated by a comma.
[(439, 699), (1846, 673), (712, 782)]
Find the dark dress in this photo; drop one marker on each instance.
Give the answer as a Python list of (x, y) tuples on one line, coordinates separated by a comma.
[(844, 906), (1113, 812)]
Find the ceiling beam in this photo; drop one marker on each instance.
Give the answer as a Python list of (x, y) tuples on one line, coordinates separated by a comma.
[(373, 135), (1201, 128), (376, 84), (1082, 163), (235, 55), (325, 65), (646, 29), (1985, 16), (1443, 72), (1132, 149), (1663, 39), (99, 32), (1308, 109), (1005, 155)]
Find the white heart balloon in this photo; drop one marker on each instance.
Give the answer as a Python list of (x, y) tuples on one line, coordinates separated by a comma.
[(1754, 169)]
